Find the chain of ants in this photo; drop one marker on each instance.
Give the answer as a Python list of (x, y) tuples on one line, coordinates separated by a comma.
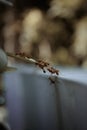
[(45, 66)]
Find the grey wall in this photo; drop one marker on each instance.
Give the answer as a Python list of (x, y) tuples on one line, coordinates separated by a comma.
[(36, 104)]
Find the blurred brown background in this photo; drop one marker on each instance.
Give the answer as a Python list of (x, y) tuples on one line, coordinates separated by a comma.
[(54, 30)]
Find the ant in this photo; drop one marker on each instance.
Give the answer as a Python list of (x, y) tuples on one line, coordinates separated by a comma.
[(53, 79), (53, 71)]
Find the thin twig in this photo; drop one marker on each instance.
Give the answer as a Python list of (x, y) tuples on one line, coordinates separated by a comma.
[(45, 66), (27, 60), (6, 2)]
